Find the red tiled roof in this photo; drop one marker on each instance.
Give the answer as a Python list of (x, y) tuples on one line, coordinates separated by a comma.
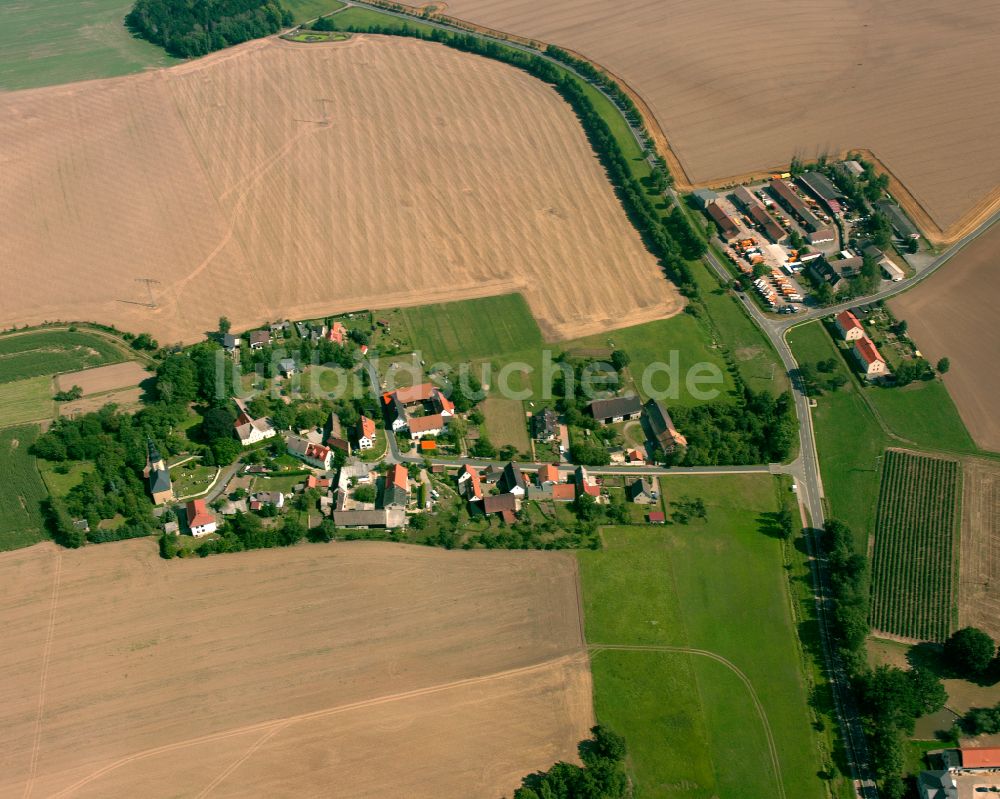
[(421, 424), (548, 474), (848, 321), (337, 333), (657, 516), (198, 514), (474, 481), (981, 757), (443, 402), (367, 427), (565, 491), (417, 393), (428, 445), (398, 476), (317, 452), (867, 350)]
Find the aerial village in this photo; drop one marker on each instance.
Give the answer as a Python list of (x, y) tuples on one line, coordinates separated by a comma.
[(415, 456)]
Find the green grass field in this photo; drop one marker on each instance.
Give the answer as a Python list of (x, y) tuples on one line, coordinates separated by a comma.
[(924, 415), (59, 41), (48, 352), (303, 10), (318, 36), (57, 483), (849, 440), (719, 586), (505, 422), (21, 489), (26, 401), (456, 332), (357, 18)]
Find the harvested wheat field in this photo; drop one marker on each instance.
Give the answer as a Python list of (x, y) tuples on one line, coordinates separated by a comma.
[(979, 564), (279, 180), (741, 88), (343, 669), (956, 314), (104, 378)]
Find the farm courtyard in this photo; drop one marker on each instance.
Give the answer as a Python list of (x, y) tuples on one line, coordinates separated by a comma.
[(310, 180), (379, 668)]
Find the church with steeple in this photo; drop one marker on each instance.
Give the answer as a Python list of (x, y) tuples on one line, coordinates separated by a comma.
[(156, 472)]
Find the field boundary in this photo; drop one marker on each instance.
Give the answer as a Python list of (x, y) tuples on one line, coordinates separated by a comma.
[(686, 650), (934, 233)]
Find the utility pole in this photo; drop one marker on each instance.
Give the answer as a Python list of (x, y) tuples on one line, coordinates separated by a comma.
[(149, 287)]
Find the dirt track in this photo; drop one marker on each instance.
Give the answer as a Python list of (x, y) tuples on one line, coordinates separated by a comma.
[(279, 180), (746, 87), (956, 314), (375, 668)]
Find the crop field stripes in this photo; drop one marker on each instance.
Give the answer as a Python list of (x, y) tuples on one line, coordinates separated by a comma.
[(913, 570)]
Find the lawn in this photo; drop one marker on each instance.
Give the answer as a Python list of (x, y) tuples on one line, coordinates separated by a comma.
[(21, 489), (48, 352), (303, 10), (356, 18), (192, 479), (317, 36), (58, 41), (26, 401), (457, 332), (719, 586), (57, 483), (506, 423)]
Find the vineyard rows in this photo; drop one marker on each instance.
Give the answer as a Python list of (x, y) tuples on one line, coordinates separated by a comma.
[(913, 590)]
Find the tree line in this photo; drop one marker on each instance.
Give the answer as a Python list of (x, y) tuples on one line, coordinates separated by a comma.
[(187, 28)]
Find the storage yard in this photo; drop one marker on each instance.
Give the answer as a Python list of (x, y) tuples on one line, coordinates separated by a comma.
[(259, 672), (773, 230), (744, 94), (310, 180)]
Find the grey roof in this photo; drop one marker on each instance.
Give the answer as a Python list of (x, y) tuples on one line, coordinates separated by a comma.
[(937, 785), (545, 422), (287, 364), (704, 196), (900, 222), (658, 417), (394, 497), (159, 480), (152, 451), (512, 478), (640, 487), (229, 341), (820, 185), (746, 198), (496, 503), (369, 518), (615, 406)]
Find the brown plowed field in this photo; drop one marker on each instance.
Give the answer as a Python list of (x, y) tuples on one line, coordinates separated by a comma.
[(104, 378), (979, 563), (279, 180), (956, 314), (742, 86), (346, 669)]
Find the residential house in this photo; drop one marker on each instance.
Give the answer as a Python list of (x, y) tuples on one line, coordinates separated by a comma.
[(287, 367), (365, 433), (414, 394), (230, 343), (442, 404), (548, 474), (312, 481), (249, 430), (836, 272), (545, 425), (335, 438), (512, 481), (317, 332), (394, 412), (262, 498), (585, 484), (564, 492), (852, 168), (201, 521), (635, 457), (937, 785), (278, 329), (259, 339), (469, 484), (662, 426), (872, 363), (641, 492), (337, 334), (505, 505), (616, 409), (158, 475), (316, 455), (491, 474), (395, 487), (848, 326), (420, 426)]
